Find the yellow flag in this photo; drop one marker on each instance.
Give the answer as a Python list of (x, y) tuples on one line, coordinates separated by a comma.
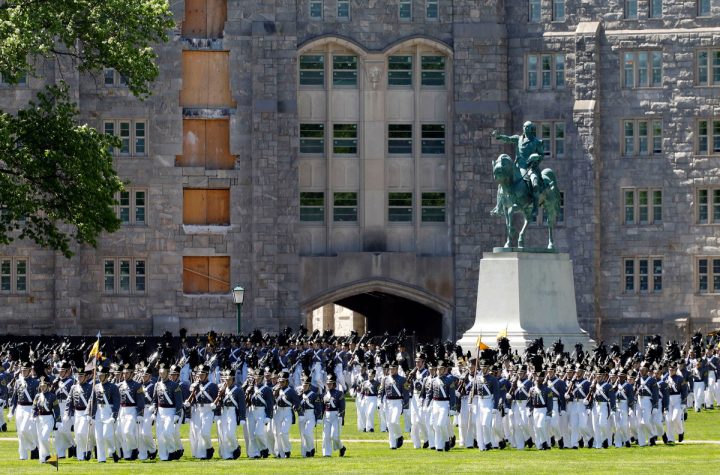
[(481, 345), (53, 460), (95, 350)]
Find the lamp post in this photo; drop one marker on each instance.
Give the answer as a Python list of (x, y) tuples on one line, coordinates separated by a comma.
[(238, 297)]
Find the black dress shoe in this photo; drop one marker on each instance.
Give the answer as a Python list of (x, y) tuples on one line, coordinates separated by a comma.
[(115, 457), (210, 452), (591, 442), (134, 454), (152, 455), (3, 428), (371, 430), (35, 454), (681, 437), (627, 444), (664, 438), (447, 446), (426, 445), (265, 453), (488, 446), (503, 444), (552, 441), (400, 441), (173, 456), (342, 451), (475, 444), (287, 455), (561, 443), (605, 444), (581, 443), (652, 441)]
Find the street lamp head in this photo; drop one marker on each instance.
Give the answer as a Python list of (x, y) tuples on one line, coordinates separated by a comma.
[(238, 294)]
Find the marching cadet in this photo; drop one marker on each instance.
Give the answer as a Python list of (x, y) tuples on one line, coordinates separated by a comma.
[(132, 406), (116, 378), (540, 403), (578, 395), (443, 399), (230, 411), (80, 414), (519, 395), (202, 394), (287, 400), (4, 379), (558, 420), (712, 391), (394, 394), (23, 395), (485, 398), (370, 391), (501, 421), (625, 401), (663, 403), (146, 443), (677, 400), (427, 406), (167, 398), (175, 377), (465, 419), (334, 401), (260, 405), (699, 375), (64, 442), (107, 400), (603, 405), (46, 413), (416, 378), (308, 414), (356, 390), (647, 405)]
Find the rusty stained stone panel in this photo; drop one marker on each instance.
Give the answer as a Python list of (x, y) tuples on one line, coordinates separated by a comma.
[(206, 143), (204, 18), (205, 79)]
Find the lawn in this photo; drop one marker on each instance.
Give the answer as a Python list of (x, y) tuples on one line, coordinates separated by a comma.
[(369, 453)]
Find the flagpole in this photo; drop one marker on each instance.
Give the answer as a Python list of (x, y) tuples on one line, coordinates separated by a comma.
[(94, 355)]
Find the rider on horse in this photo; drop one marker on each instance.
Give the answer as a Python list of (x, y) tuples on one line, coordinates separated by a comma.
[(528, 155)]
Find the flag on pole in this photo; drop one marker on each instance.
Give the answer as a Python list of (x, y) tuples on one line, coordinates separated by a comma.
[(95, 350), (480, 345), (53, 460)]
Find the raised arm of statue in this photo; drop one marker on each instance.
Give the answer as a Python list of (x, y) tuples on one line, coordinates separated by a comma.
[(505, 138)]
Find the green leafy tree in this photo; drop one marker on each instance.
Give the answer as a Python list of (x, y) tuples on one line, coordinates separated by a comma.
[(57, 182)]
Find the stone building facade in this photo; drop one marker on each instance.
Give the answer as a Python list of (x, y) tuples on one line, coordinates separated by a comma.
[(319, 151)]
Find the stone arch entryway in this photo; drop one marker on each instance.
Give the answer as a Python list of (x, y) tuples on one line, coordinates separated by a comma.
[(389, 306)]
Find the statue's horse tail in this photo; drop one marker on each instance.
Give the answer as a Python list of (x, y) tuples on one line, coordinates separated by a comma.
[(552, 191)]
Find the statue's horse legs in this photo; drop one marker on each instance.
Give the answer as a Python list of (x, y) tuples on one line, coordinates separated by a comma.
[(509, 226), (521, 236)]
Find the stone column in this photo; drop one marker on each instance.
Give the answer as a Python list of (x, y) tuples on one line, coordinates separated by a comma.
[(586, 116)]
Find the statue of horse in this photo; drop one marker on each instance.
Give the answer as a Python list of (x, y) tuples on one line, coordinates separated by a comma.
[(515, 196)]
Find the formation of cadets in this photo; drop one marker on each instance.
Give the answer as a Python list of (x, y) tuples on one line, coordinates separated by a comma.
[(259, 386)]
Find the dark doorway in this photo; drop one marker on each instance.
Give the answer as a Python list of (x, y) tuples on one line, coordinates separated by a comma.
[(389, 313)]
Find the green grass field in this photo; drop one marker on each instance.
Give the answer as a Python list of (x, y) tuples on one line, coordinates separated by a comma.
[(369, 453)]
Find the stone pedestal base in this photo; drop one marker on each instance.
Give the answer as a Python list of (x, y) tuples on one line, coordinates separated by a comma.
[(529, 295)]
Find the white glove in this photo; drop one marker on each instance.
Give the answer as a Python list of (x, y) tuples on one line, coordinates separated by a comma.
[(586, 402), (176, 419), (213, 407), (267, 420), (242, 422), (453, 413), (152, 418), (140, 419), (562, 413)]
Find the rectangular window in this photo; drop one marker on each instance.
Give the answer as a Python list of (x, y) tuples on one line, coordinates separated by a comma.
[(131, 207), (432, 70), (13, 275), (400, 207), (312, 139), (312, 206), (343, 10), (316, 9), (345, 207), (703, 7), (400, 139), (21, 80), (400, 70), (433, 139), (405, 10), (631, 9), (553, 136), (345, 139), (708, 275), (112, 78), (345, 70), (132, 134), (655, 9), (709, 137), (642, 69), (643, 275), (708, 67), (708, 200), (534, 11), (642, 206), (545, 71), (206, 207), (206, 275), (433, 206), (558, 10), (124, 275), (432, 10), (642, 138), (312, 70)]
